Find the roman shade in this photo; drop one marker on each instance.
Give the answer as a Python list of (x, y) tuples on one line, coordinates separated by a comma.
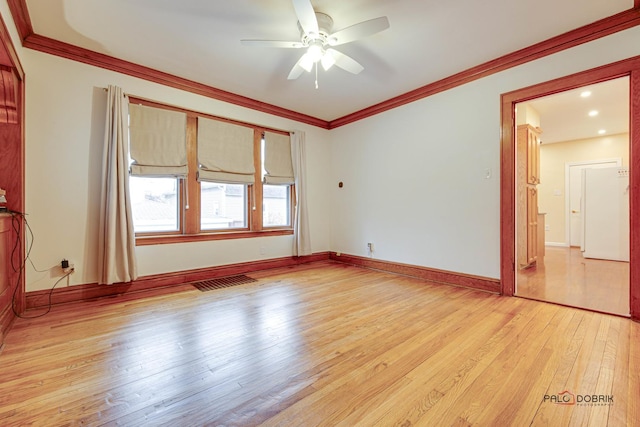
[(277, 159), (158, 141), (225, 152)]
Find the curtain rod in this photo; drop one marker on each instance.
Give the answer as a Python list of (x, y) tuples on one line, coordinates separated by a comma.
[(106, 89)]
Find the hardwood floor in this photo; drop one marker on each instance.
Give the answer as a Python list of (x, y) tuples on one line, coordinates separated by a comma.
[(566, 277), (320, 344)]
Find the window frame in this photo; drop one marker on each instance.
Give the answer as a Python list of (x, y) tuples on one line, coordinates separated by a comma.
[(189, 191)]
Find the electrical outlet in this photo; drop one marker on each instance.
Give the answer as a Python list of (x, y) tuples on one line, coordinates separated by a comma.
[(67, 266), (370, 247)]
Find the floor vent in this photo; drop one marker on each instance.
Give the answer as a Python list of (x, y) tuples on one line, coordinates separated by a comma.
[(223, 282)]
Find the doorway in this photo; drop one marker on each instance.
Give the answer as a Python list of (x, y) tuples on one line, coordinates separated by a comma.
[(509, 267), (572, 142)]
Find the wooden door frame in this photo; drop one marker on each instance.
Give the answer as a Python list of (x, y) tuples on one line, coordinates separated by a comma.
[(9, 58), (626, 68)]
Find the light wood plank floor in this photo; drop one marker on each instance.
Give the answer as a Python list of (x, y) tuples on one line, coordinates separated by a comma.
[(566, 277), (323, 344)]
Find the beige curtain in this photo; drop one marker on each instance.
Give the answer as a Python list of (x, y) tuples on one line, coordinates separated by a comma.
[(225, 152), (116, 239), (158, 141), (301, 233), (277, 159)]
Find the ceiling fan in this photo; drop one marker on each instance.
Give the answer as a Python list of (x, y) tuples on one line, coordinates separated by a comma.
[(318, 40)]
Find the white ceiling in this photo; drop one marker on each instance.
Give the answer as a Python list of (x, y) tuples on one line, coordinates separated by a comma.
[(565, 116), (200, 40)]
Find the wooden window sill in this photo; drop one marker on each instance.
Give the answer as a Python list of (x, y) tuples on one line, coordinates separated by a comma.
[(227, 235)]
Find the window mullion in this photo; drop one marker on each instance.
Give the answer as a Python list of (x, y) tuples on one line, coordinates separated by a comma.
[(292, 205), (192, 186), (256, 212)]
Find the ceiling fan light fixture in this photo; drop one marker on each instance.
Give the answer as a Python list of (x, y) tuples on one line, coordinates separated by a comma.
[(315, 52), (327, 61), (306, 62)]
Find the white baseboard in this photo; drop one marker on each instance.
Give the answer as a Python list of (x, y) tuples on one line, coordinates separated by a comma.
[(563, 245)]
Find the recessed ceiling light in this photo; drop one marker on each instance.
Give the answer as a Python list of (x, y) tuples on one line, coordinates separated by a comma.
[(585, 94), (602, 132), (593, 113)]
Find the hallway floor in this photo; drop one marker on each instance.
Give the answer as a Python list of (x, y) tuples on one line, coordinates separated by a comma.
[(565, 277)]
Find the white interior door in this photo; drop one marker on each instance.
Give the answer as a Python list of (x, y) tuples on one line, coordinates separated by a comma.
[(574, 193), (605, 205)]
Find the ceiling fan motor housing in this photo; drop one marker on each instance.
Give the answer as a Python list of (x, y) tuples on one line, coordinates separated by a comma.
[(325, 25)]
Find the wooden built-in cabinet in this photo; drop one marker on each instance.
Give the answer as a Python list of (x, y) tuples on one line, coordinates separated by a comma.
[(531, 142), (528, 177)]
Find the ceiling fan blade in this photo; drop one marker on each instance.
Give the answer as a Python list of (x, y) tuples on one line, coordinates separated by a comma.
[(359, 31), (345, 62), (306, 16), (272, 43)]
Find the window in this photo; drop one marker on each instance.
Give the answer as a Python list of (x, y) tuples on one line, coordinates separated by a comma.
[(198, 177), (277, 176), (158, 160), (223, 206), (154, 203), (276, 203)]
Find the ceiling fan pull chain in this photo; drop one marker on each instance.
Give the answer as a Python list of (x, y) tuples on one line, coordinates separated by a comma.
[(316, 75)]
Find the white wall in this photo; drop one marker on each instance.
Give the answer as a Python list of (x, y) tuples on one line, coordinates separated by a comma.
[(414, 177), (65, 107)]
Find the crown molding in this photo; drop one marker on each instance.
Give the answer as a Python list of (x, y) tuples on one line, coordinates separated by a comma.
[(21, 17)]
